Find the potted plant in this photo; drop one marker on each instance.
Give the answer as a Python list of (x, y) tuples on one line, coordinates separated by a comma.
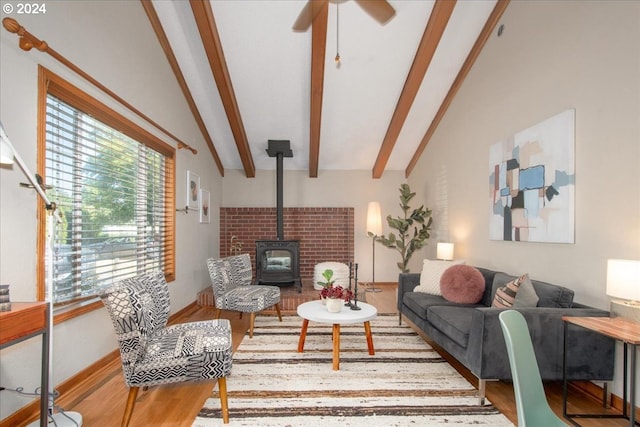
[(328, 277), (334, 296), (412, 229), (328, 282)]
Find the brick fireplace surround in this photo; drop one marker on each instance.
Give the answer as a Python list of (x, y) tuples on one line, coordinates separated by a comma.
[(325, 234)]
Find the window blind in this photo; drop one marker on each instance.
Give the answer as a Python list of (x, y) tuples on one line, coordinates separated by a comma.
[(110, 192)]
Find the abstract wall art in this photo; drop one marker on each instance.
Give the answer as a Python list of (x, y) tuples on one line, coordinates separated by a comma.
[(532, 183)]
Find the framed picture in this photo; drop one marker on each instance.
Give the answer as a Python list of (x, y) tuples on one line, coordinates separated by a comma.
[(205, 200), (193, 190), (532, 183)]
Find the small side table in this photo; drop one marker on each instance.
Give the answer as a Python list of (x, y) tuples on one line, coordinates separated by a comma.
[(316, 312), (620, 329), (23, 321)]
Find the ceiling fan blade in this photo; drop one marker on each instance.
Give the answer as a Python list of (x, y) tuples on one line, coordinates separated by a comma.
[(380, 10), (308, 14)]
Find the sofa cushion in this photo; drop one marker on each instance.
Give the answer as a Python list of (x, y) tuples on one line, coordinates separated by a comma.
[(488, 275), (420, 302), (526, 296), (452, 321), (462, 283), (432, 270), (505, 295), (549, 295)]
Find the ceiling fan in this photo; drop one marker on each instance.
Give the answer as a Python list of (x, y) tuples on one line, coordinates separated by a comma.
[(380, 10)]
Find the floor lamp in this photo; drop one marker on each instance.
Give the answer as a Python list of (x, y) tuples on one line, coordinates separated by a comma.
[(7, 156), (374, 229)]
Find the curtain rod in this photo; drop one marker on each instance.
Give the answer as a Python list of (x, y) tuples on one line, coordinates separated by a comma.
[(28, 41)]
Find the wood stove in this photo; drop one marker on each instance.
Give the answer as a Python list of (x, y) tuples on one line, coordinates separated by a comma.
[(278, 261)]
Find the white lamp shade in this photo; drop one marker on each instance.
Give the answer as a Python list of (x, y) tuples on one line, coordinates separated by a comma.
[(374, 219), (623, 279), (444, 251)]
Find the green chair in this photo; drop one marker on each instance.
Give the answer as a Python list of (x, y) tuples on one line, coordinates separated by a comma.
[(531, 402)]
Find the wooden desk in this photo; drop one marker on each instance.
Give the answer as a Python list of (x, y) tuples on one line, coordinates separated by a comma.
[(620, 329), (26, 320)]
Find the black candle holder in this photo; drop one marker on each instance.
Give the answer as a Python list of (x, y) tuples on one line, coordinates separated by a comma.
[(348, 303), (354, 305)]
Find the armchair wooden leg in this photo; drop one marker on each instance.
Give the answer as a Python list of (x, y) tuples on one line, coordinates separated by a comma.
[(278, 311), (218, 312), (131, 402), (251, 322), (224, 403)]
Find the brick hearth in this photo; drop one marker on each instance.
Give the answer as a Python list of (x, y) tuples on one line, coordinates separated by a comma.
[(325, 234)]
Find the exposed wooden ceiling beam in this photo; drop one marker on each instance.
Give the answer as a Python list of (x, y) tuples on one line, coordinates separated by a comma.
[(492, 21), (166, 47), (205, 21), (438, 20), (318, 50)]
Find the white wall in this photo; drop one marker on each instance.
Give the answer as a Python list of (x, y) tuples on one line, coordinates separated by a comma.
[(330, 189), (552, 56), (114, 43)]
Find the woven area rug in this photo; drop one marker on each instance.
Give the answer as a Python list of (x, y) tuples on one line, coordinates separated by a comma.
[(406, 382)]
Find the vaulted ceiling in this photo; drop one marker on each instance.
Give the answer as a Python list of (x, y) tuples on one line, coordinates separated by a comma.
[(249, 77)]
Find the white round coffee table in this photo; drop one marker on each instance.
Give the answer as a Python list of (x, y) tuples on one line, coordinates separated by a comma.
[(315, 311)]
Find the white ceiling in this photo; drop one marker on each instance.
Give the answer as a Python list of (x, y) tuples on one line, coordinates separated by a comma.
[(269, 65)]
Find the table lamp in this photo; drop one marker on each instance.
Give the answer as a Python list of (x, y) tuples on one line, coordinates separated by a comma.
[(623, 281), (444, 251)]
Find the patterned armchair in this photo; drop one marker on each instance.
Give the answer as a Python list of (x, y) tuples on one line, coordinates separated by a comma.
[(153, 353), (233, 291)]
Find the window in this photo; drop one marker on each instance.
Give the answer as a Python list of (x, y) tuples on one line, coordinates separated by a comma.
[(112, 183)]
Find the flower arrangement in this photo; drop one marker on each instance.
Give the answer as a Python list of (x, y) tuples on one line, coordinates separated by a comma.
[(336, 292)]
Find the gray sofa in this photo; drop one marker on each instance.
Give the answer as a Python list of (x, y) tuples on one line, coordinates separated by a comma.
[(471, 333)]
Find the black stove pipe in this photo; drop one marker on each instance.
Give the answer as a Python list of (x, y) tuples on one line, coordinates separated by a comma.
[(279, 149), (279, 199)]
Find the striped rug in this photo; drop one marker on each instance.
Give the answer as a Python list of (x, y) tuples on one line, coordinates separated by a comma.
[(406, 383)]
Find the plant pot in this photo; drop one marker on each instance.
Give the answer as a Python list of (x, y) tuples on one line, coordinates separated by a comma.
[(334, 305)]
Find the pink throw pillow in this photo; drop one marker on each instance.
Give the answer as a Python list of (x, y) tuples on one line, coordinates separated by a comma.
[(462, 284)]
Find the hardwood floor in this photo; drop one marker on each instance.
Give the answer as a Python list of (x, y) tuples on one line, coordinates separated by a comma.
[(102, 400)]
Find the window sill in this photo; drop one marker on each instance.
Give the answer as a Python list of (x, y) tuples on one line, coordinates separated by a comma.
[(70, 311)]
